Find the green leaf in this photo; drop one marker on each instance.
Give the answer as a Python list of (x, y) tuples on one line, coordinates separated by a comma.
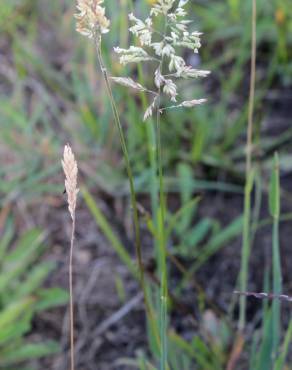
[(5, 240), (26, 247), (194, 237), (15, 310), (28, 250), (15, 330), (220, 240), (280, 362), (266, 349), (53, 297), (185, 178), (27, 352), (35, 278), (213, 246), (274, 192), (106, 228), (174, 219)]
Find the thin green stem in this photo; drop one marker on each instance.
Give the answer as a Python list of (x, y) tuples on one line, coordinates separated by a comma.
[(252, 88), (138, 246), (277, 286), (162, 251), (126, 158), (246, 240), (245, 249), (274, 204), (162, 233)]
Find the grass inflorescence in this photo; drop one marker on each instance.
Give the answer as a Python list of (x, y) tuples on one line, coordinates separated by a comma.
[(172, 178)]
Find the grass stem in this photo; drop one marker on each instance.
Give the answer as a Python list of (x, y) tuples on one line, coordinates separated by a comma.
[(72, 351), (162, 252), (274, 203), (126, 158), (252, 88), (246, 240), (149, 309)]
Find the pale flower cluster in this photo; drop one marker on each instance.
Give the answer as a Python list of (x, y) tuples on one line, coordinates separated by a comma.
[(91, 18), (163, 47), (71, 170)]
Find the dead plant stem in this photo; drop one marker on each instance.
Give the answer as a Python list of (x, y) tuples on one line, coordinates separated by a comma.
[(71, 296)]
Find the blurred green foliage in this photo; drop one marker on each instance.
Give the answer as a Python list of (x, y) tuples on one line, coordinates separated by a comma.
[(51, 93), (22, 296), (52, 66)]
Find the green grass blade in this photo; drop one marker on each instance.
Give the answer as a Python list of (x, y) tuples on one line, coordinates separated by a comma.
[(15, 263), (246, 245), (274, 202), (16, 309), (28, 351), (106, 228), (213, 246), (5, 240), (34, 279), (16, 330), (280, 362), (264, 358), (50, 298)]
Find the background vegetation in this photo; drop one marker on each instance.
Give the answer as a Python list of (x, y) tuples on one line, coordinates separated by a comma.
[(51, 93)]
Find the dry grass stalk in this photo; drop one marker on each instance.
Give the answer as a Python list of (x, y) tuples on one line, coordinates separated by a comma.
[(71, 170)]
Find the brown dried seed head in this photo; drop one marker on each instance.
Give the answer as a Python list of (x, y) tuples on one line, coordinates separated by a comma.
[(71, 170)]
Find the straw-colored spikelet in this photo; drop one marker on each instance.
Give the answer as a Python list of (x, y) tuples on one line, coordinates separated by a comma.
[(91, 18), (71, 170)]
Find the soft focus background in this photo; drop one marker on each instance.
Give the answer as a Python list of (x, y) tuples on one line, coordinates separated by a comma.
[(51, 93)]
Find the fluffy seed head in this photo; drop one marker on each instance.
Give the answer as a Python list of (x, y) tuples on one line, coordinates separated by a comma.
[(91, 18), (71, 170), (164, 48)]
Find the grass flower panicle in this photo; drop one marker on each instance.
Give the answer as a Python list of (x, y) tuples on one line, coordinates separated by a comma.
[(92, 23), (132, 55), (91, 18), (162, 47), (71, 170)]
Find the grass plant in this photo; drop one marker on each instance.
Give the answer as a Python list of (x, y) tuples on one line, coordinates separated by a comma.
[(145, 30), (48, 93), (23, 297), (246, 245), (71, 170), (274, 197), (92, 22), (163, 53)]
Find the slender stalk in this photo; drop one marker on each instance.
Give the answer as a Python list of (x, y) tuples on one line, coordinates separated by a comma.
[(70, 168), (71, 296), (149, 309), (280, 362), (151, 147), (252, 88), (249, 177), (274, 203), (162, 252), (126, 158), (277, 287), (245, 248), (162, 233)]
